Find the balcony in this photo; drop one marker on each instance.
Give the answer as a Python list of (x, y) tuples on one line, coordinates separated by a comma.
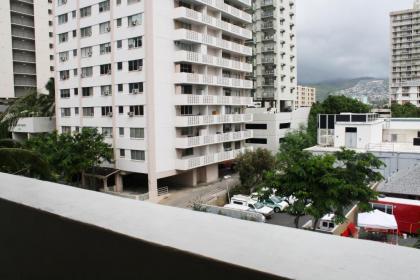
[(185, 121), (195, 37), (268, 3), (194, 162), (200, 79), (229, 10), (189, 142), (267, 25), (190, 99), (193, 57), (191, 15)]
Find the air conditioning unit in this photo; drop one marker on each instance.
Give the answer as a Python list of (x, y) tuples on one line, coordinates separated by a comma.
[(140, 68), (135, 91), (130, 114), (89, 33), (82, 75), (63, 59), (130, 46), (109, 72), (89, 54), (64, 2), (134, 23), (108, 29), (109, 114), (106, 93)]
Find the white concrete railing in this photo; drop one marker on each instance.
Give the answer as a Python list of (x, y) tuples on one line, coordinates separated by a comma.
[(212, 60), (392, 147), (184, 121), (228, 9), (188, 142), (192, 36), (194, 162), (200, 79), (194, 99), (182, 12)]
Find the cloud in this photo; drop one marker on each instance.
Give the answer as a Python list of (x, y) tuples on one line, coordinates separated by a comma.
[(344, 38)]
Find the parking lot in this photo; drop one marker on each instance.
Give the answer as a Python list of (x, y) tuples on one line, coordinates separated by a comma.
[(286, 220)]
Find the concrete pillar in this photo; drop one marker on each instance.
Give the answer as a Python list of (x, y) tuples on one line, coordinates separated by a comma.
[(212, 173), (119, 184), (105, 181), (153, 192)]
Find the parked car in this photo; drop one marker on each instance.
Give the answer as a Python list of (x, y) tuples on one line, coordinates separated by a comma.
[(276, 203), (252, 204)]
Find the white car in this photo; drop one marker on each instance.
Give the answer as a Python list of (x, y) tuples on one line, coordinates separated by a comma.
[(252, 204)]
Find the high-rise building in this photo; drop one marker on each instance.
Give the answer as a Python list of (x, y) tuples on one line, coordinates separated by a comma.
[(275, 82), (26, 43), (305, 97), (164, 81), (405, 56)]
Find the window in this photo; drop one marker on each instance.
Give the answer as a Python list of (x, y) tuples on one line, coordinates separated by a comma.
[(118, 2), (120, 87), (65, 93), (257, 141), (86, 52), (119, 22), (75, 52), (76, 110), (105, 69), (76, 91), (135, 42), (121, 131), (87, 91), (137, 155), (107, 132), (186, 89), (104, 27), (135, 20), (74, 14), (64, 75), (65, 112), (187, 152), (75, 72), (86, 32), (85, 12), (186, 68), (256, 126), (129, 2), (88, 111), (135, 87), (137, 133), (120, 109), (137, 110), (64, 56), (351, 129), (63, 37), (119, 44), (87, 72), (105, 48), (284, 125), (106, 111), (106, 90), (135, 65), (74, 33), (63, 19), (119, 65), (186, 110), (65, 129), (104, 6), (122, 153), (61, 2), (389, 209)]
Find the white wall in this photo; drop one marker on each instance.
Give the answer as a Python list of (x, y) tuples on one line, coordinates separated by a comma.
[(6, 56)]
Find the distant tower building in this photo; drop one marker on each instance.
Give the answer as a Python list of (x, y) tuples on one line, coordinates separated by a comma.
[(26, 43), (305, 97), (405, 56)]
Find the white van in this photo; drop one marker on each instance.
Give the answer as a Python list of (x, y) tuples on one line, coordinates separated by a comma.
[(252, 205)]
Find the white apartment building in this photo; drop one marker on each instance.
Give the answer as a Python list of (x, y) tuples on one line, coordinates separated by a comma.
[(405, 56), (26, 43), (396, 141), (305, 97), (164, 81)]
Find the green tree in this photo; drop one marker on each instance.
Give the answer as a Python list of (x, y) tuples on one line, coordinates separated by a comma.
[(334, 104), (71, 155), (251, 167), (407, 110)]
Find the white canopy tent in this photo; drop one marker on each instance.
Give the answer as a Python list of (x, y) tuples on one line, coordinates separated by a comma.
[(377, 220)]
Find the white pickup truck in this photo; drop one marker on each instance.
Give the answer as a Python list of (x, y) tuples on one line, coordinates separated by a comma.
[(249, 204)]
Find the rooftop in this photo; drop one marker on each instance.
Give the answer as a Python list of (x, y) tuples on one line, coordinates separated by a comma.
[(279, 251), (406, 181)]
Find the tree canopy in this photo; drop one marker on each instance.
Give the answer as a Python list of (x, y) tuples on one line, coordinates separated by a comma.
[(407, 110)]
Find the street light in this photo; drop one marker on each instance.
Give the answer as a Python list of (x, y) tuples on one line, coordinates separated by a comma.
[(227, 185)]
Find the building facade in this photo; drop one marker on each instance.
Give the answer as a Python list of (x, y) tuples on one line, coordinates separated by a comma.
[(405, 56), (27, 46), (305, 97), (164, 81)]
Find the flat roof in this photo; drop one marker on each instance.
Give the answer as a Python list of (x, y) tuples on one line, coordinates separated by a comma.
[(286, 252)]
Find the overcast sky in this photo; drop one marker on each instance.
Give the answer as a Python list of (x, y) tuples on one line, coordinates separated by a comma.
[(344, 38)]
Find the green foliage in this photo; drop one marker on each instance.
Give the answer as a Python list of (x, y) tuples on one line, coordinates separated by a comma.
[(252, 165), (407, 110), (71, 155), (9, 143), (333, 105), (23, 162)]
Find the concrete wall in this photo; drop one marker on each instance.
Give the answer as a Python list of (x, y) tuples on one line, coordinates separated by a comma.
[(6, 71), (367, 133)]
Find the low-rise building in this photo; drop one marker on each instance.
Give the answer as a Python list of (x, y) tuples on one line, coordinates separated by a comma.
[(28, 127)]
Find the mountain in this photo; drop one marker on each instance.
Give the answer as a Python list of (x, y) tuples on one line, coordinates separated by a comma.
[(374, 90)]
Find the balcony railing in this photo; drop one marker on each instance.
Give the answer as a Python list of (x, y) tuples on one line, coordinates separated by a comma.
[(192, 99), (184, 121), (212, 60), (192, 36), (200, 79), (194, 162), (228, 9), (189, 142), (182, 12)]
